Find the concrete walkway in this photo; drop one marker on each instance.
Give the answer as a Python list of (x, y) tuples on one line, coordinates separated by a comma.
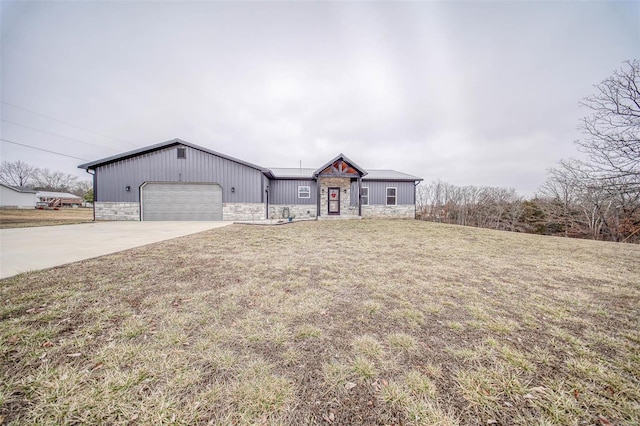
[(28, 249)]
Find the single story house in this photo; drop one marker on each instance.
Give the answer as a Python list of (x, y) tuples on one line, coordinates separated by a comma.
[(177, 180), (59, 199), (17, 197)]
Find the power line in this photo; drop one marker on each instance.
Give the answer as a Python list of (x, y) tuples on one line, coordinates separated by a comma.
[(52, 134), (68, 124), (45, 150)]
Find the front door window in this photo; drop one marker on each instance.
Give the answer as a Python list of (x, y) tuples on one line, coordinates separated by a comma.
[(334, 200)]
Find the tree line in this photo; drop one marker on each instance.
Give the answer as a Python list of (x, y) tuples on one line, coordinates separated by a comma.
[(595, 197), (578, 213), (21, 174)]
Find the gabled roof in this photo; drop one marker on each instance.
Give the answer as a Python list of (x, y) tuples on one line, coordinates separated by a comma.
[(390, 175), (344, 158), (52, 194), (291, 173), (306, 173), (162, 145), (271, 173), (19, 188)]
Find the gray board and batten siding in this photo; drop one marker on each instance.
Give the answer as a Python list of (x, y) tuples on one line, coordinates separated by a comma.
[(163, 165), (285, 191), (405, 194)]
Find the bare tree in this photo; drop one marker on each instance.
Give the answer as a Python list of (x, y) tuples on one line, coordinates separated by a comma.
[(430, 200), (612, 131), (560, 195), (82, 187), (54, 180), (485, 207), (17, 173), (585, 207), (599, 197)]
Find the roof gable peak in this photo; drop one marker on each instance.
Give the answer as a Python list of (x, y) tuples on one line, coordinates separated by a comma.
[(163, 145), (340, 165)]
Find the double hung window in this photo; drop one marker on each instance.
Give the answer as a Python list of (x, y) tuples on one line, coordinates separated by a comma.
[(392, 198), (304, 192)]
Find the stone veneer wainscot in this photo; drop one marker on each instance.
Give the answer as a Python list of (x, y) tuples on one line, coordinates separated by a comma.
[(402, 211), (243, 211), (117, 210), (297, 210)]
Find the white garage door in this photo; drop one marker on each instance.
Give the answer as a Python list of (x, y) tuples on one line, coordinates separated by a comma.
[(181, 201)]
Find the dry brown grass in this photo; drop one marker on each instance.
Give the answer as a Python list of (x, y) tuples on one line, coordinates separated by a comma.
[(22, 218), (355, 322)]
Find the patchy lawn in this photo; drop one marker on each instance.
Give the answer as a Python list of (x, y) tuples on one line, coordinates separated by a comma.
[(22, 218), (331, 322)]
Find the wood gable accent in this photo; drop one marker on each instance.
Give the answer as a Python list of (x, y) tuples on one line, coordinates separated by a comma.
[(340, 168)]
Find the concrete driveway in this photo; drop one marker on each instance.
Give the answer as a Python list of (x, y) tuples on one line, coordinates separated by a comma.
[(28, 249)]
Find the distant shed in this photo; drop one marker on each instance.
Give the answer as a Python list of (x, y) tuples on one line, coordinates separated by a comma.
[(17, 197)]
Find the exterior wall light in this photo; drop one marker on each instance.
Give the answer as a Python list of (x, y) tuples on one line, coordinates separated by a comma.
[(127, 188), (233, 189)]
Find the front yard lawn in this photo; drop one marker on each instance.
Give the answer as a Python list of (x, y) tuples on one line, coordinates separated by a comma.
[(330, 322), (23, 218)]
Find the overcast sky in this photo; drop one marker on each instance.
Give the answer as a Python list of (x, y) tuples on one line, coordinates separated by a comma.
[(473, 93)]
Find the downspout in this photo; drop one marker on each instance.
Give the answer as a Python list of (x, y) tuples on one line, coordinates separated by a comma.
[(267, 203), (415, 198), (140, 202), (95, 192), (317, 197), (360, 196)]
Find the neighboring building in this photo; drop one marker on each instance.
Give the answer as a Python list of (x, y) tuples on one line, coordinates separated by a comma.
[(59, 199), (17, 197), (177, 180)]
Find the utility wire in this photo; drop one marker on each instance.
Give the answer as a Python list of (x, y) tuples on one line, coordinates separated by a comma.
[(68, 124), (41, 149), (53, 134)]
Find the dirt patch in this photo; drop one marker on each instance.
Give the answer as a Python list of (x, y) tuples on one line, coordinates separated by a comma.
[(355, 322)]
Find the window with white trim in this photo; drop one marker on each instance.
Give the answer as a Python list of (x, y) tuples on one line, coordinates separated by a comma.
[(182, 153), (392, 198), (364, 195), (304, 192)]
